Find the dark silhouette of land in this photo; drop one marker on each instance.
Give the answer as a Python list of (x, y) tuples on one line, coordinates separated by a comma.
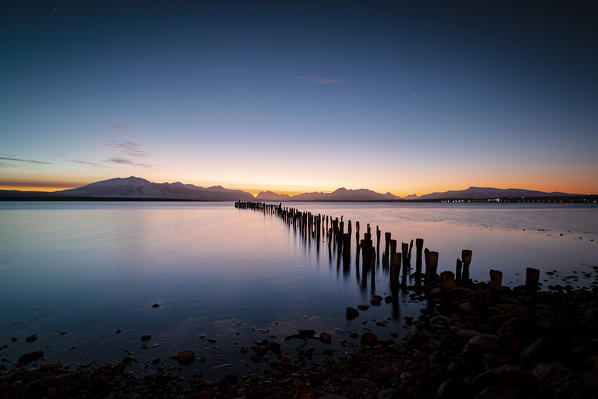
[(137, 189)]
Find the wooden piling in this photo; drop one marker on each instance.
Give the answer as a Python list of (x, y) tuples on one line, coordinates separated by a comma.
[(466, 259), (393, 246), (532, 277), (431, 266), (447, 280), (419, 245), (495, 283), (458, 270)]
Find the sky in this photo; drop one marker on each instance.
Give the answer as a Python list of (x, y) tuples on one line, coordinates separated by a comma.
[(400, 97)]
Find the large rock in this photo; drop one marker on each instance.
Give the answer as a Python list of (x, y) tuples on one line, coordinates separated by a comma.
[(351, 313), (186, 357), (511, 310), (535, 350), (366, 388), (507, 375), (325, 337), (368, 338), (484, 343), (30, 357)]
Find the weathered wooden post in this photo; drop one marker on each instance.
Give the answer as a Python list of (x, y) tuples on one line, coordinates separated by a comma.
[(378, 232), (386, 242), (458, 269), (431, 266), (393, 246), (447, 280), (495, 284), (532, 276), (419, 245), (466, 258)]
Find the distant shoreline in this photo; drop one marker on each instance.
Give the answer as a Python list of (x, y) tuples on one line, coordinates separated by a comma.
[(590, 199)]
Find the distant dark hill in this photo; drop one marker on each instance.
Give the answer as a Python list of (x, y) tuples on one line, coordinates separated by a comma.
[(489, 192), (131, 188), (343, 194), (272, 196), (137, 188)]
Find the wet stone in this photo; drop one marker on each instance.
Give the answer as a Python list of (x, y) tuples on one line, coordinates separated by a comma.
[(351, 313), (30, 357), (186, 357), (325, 337)]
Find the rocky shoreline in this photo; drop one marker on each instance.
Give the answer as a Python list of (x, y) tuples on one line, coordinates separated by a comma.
[(469, 343)]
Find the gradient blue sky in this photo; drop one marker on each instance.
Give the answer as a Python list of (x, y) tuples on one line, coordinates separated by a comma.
[(403, 97)]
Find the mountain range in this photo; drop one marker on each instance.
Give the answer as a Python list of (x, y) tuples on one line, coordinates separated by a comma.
[(490, 192), (340, 194), (137, 188)]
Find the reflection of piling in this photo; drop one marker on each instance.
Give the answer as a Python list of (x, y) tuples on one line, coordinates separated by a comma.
[(367, 251), (405, 252), (395, 306), (395, 268), (373, 276), (309, 226), (419, 245), (346, 248)]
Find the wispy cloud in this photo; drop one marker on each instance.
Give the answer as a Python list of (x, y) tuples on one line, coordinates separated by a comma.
[(129, 148), (90, 163), (322, 81), (26, 160), (123, 127), (230, 70), (127, 153), (125, 161)]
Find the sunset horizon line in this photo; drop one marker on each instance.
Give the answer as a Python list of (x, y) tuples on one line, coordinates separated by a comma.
[(57, 187)]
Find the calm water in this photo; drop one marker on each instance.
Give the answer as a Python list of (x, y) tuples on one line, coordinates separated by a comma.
[(238, 275)]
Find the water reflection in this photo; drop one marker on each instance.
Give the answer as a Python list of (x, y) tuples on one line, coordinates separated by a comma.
[(238, 276)]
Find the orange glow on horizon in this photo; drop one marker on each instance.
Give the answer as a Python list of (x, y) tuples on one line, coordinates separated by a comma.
[(255, 191), (36, 188)]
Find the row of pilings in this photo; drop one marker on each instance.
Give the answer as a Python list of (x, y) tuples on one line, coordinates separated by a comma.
[(338, 236)]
